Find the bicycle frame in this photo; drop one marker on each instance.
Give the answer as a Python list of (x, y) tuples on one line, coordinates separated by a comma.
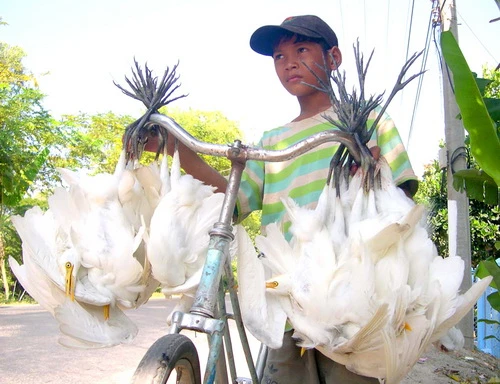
[(208, 314)]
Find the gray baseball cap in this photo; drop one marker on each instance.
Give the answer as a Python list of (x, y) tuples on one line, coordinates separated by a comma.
[(264, 39)]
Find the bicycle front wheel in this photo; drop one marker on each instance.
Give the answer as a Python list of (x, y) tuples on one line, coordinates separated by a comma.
[(171, 359)]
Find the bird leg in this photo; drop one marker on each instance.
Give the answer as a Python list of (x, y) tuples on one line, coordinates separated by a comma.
[(106, 311), (353, 111), (144, 87), (337, 159), (400, 84)]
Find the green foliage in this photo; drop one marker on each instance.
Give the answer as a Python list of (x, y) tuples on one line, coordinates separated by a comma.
[(478, 184), (94, 142), (211, 127), (492, 88), (25, 137), (432, 193), (252, 224), (483, 132), (489, 267), (484, 219)]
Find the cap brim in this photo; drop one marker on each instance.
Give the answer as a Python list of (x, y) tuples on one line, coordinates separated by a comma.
[(264, 39)]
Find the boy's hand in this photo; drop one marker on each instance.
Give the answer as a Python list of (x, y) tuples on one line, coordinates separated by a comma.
[(376, 155)]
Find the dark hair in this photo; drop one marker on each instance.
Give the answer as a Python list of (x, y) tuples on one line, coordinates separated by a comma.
[(288, 36)]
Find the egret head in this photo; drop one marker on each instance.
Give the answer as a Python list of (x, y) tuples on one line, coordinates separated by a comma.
[(279, 285), (71, 265)]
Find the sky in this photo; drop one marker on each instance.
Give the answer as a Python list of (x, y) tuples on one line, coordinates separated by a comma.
[(77, 48)]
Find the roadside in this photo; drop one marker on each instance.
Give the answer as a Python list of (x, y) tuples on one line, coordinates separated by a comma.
[(31, 354)]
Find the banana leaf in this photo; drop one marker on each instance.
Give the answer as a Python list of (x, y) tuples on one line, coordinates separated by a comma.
[(484, 140), (489, 267), (477, 184)]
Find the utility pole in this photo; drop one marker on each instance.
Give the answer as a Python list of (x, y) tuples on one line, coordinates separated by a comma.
[(458, 203)]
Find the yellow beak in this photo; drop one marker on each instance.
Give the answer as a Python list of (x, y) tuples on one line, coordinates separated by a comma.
[(69, 281), (272, 284)]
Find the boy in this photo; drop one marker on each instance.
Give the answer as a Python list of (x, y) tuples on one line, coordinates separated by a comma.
[(298, 45)]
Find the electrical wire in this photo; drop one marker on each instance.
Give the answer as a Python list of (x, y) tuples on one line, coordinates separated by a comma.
[(387, 25), (409, 30), (421, 78), (342, 18), (480, 42), (364, 16), (409, 22), (442, 65)]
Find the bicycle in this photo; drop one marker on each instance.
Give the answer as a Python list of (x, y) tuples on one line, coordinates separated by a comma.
[(175, 352)]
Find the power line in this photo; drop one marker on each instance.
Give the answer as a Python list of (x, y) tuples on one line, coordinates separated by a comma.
[(387, 25), (437, 22), (342, 18), (421, 78), (409, 22), (409, 30), (480, 42), (364, 16)]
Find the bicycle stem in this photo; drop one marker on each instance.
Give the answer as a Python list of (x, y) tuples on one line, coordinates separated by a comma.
[(220, 236)]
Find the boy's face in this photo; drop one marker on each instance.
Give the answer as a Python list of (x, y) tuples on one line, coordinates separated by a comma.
[(294, 61)]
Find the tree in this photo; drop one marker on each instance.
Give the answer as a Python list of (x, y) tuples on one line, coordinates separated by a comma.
[(484, 218), (211, 127), (94, 142), (26, 133)]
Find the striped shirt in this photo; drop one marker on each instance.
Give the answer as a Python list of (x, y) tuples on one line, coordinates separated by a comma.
[(303, 178)]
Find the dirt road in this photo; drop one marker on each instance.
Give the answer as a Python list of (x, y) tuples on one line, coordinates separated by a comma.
[(30, 352)]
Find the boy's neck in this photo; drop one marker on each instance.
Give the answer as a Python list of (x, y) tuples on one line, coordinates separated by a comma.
[(310, 108)]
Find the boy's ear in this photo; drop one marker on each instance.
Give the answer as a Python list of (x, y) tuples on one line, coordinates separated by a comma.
[(334, 57)]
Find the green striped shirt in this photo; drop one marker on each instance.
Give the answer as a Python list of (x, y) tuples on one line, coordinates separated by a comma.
[(303, 178)]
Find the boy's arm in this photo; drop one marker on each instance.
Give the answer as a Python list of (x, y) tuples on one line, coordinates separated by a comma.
[(192, 164)]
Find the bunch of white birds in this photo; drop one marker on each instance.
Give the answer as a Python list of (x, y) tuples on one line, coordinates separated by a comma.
[(360, 280), (108, 241)]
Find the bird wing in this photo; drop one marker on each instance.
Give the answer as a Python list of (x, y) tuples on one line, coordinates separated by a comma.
[(277, 253), (36, 283), (37, 233), (149, 178), (465, 303), (262, 313), (85, 326)]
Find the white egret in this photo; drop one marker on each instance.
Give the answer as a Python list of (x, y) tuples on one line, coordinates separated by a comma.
[(104, 238), (262, 313), (46, 244), (379, 303), (82, 325), (178, 236), (83, 256)]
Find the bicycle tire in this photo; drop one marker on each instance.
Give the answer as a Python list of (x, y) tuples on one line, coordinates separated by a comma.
[(171, 354)]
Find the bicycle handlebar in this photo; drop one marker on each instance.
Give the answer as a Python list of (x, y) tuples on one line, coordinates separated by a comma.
[(240, 152)]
